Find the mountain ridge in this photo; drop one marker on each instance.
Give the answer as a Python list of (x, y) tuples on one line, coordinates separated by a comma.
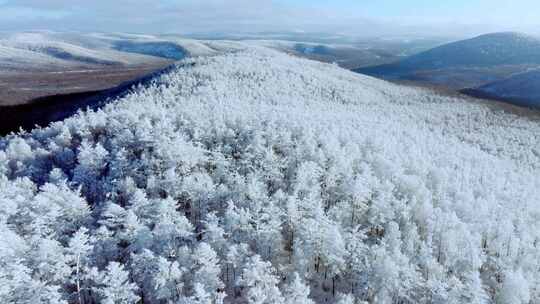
[(522, 88), (466, 63)]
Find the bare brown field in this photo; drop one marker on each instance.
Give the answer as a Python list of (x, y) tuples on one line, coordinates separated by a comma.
[(53, 96), (22, 87)]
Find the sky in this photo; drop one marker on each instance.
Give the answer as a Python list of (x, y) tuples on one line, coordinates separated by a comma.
[(355, 17)]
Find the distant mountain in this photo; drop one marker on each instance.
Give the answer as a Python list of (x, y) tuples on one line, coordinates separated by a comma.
[(467, 63), (351, 55), (523, 89), (346, 55)]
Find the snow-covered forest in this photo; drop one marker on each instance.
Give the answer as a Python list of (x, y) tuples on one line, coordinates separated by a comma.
[(257, 177)]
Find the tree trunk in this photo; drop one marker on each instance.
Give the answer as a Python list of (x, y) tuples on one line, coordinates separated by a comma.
[(79, 279)]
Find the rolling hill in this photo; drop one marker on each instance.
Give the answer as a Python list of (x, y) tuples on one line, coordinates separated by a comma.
[(467, 63), (522, 89), (352, 54), (50, 51), (349, 56), (253, 176)]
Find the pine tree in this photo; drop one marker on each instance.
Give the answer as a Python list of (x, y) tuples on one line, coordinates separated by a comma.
[(88, 173), (514, 289), (206, 271), (167, 280), (259, 283), (201, 296), (237, 256), (144, 267), (79, 251), (214, 234), (297, 292), (114, 287), (18, 286)]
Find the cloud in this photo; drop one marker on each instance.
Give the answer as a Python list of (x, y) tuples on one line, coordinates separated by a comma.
[(189, 16), (15, 14), (164, 15)]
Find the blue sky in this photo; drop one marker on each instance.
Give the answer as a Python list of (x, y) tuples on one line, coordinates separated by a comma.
[(355, 16)]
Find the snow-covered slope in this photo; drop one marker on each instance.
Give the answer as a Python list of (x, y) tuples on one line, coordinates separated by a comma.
[(349, 56), (173, 47), (258, 177), (523, 88), (45, 50), (14, 58)]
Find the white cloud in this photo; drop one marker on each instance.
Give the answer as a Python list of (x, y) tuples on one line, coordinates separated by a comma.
[(10, 14), (184, 16), (146, 15)]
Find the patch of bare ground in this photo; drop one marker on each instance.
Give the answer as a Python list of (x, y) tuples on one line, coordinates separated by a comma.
[(53, 96), (22, 87)]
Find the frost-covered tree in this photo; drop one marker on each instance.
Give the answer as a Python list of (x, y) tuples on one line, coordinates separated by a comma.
[(297, 292), (514, 289), (260, 283), (113, 285), (79, 254), (92, 164), (206, 268), (214, 234), (236, 257), (201, 296), (167, 281)]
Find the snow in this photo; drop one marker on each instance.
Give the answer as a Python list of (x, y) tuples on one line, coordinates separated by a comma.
[(14, 57), (292, 45), (249, 172), (80, 49), (43, 50), (70, 50)]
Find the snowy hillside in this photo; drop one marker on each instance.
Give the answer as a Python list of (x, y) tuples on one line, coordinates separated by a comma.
[(65, 49), (349, 56), (523, 88), (257, 177), (14, 58), (46, 50)]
